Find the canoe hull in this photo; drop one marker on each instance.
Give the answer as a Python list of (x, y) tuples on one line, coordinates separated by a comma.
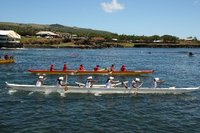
[(6, 61), (83, 90), (75, 72)]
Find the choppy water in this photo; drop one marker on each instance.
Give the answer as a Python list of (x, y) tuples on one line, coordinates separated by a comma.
[(23, 112)]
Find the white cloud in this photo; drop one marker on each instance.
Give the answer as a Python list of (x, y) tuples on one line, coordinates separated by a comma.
[(112, 7)]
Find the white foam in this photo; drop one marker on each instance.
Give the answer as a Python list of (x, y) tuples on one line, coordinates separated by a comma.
[(47, 92), (11, 92), (62, 94), (97, 94), (30, 93)]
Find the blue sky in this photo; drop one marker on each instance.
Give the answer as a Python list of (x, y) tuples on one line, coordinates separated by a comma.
[(139, 17)]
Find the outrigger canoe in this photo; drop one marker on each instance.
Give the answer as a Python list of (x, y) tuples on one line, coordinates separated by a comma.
[(98, 90), (87, 72), (6, 61)]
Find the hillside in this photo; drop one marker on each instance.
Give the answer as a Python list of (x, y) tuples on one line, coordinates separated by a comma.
[(89, 38), (31, 29)]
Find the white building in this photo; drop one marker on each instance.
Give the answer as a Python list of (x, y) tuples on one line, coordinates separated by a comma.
[(9, 37), (46, 34)]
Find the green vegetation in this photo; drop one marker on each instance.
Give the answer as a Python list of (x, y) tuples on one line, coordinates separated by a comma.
[(32, 29), (89, 38)]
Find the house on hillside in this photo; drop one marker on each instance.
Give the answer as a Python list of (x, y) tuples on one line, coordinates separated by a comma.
[(189, 38), (9, 38), (114, 39), (98, 39), (47, 34)]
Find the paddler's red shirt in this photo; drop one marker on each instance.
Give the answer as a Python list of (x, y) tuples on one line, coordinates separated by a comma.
[(52, 67), (81, 68), (123, 69), (96, 68), (64, 67)]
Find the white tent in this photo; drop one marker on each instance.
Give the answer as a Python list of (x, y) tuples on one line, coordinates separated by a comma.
[(46, 33), (10, 34)]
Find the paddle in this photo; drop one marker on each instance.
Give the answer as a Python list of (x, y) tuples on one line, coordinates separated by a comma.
[(156, 83), (124, 83), (134, 92), (65, 85)]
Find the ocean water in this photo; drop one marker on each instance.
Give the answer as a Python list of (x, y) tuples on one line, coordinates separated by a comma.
[(24, 112)]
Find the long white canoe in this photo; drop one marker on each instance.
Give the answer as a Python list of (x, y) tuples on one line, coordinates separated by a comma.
[(99, 90)]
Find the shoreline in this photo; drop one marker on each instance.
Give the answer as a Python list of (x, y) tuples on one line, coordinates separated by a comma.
[(139, 45)]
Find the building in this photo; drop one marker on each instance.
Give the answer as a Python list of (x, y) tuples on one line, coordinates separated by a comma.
[(47, 34), (189, 39), (9, 38)]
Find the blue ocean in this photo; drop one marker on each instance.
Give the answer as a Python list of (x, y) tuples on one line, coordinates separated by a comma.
[(22, 112)]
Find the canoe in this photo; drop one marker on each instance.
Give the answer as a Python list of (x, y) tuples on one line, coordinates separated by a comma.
[(87, 72), (68, 72), (6, 61), (98, 90)]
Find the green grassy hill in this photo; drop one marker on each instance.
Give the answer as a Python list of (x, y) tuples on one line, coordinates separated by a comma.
[(31, 29)]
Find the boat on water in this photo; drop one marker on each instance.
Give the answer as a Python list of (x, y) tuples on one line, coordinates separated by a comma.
[(3, 61), (86, 72), (98, 89)]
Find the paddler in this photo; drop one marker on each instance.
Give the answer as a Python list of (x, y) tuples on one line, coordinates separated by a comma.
[(135, 83), (81, 68), (65, 67), (123, 68), (112, 68), (52, 67), (97, 68), (40, 81), (110, 81), (61, 83), (89, 82), (6, 57), (157, 81)]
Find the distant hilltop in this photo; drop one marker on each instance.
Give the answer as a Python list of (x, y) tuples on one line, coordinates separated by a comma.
[(32, 29), (60, 36)]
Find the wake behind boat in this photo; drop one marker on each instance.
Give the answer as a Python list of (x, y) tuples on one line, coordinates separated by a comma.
[(98, 90)]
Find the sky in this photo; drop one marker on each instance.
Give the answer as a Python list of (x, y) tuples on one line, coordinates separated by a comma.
[(180, 18)]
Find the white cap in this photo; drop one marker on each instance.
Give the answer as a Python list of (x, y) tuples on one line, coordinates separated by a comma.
[(156, 79), (41, 77), (90, 77), (111, 77), (137, 79), (60, 78)]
